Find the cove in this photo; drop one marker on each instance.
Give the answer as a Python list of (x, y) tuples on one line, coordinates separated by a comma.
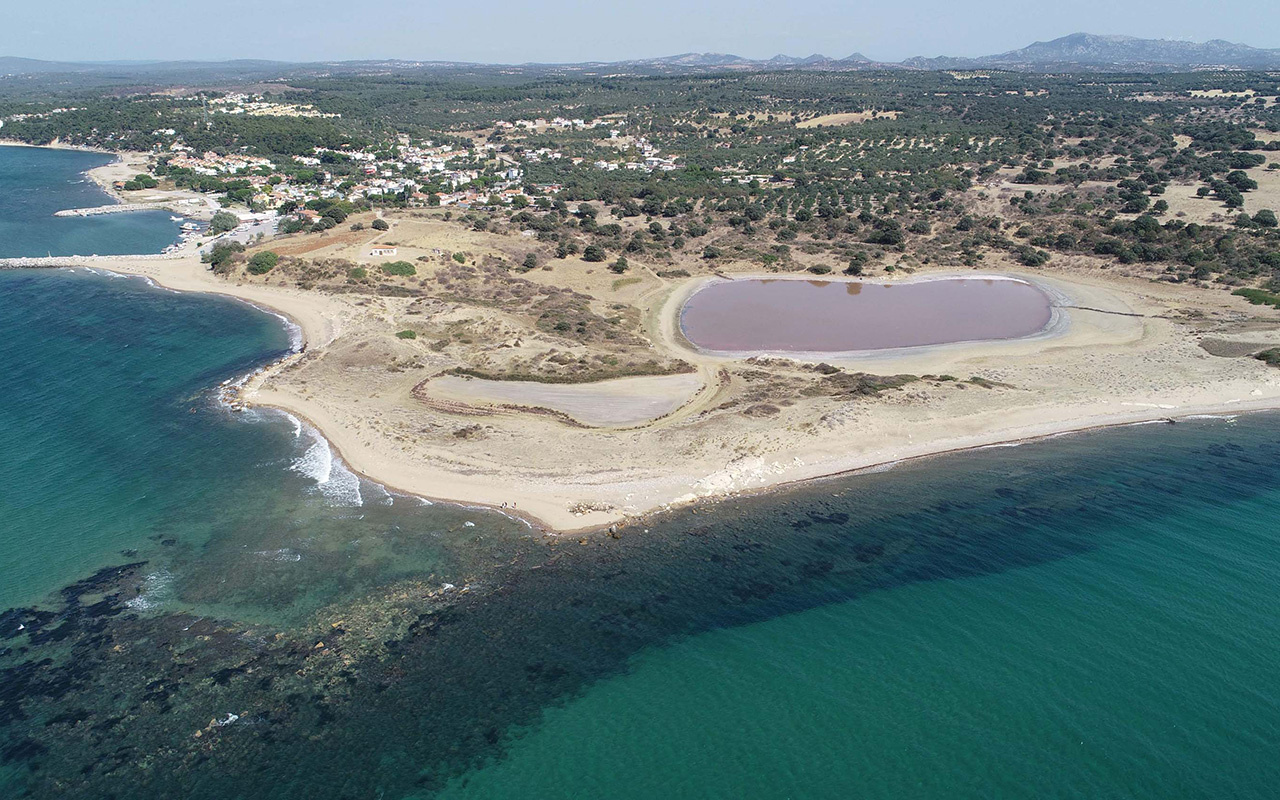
[(36, 182), (799, 316)]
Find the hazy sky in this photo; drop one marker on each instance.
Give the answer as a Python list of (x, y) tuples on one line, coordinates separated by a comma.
[(507, 31)]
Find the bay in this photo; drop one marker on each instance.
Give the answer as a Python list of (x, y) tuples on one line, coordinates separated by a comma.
[(36, 182)]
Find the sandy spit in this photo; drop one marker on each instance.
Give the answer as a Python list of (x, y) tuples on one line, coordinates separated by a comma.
[(1105, 370)]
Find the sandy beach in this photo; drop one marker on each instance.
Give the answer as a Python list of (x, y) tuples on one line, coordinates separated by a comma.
[(1122, 357)]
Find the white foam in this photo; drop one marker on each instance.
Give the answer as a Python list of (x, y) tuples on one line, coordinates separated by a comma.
[(156, 588), (339, 485), (333, 480), (293, 329), (251, 415), (382, 496), (885, 467), (283, 555), (149, 282), (297, 424)]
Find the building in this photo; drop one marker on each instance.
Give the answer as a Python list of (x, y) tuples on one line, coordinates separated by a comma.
[(383, 251)]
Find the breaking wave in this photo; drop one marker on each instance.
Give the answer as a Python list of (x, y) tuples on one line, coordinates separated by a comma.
[(283, 555), (339, 485), (293, 329), (876, 468), (156, 589)]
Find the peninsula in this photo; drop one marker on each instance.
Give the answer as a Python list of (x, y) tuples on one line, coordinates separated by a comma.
[(454, 412), (496, 300)]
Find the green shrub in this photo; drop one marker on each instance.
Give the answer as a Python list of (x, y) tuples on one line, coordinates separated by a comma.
[(263, 262), (1032, 257), (380, 225), (1270, 357), (1259, 297), (406, 335), (222, 256), (358, 273), (223, 221), (291, 225), (141, 181), (400, 268)]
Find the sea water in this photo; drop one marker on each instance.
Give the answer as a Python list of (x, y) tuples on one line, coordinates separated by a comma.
[(37, 182), (204, 604)]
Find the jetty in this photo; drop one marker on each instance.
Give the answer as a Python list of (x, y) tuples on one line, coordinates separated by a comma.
[(49, 262), (119, 208)]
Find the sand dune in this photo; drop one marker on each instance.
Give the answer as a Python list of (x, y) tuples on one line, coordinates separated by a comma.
[(616, 403), (1127, 352)]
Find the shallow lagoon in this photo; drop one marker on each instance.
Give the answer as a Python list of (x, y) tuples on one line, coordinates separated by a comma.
[(797, 316)]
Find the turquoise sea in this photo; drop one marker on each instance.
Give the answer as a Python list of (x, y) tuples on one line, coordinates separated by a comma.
[(36, 182), (207, 605)]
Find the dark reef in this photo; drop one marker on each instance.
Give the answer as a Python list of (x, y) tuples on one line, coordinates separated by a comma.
[(402, 685)]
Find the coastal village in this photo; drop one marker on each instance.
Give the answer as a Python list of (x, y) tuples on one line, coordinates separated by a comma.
[(479, 171)]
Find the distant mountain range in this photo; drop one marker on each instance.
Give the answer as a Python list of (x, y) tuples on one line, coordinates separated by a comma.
[(1080, 52), (1090, 52)]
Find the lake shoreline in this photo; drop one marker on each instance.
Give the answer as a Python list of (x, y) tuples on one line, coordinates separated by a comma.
[(546, 499), (1057, 326)]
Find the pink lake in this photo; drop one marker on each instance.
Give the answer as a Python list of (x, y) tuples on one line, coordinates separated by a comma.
[(811, 316)]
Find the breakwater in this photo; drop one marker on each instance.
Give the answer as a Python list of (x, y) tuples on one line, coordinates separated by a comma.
[(53, 262), (118, 208)]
